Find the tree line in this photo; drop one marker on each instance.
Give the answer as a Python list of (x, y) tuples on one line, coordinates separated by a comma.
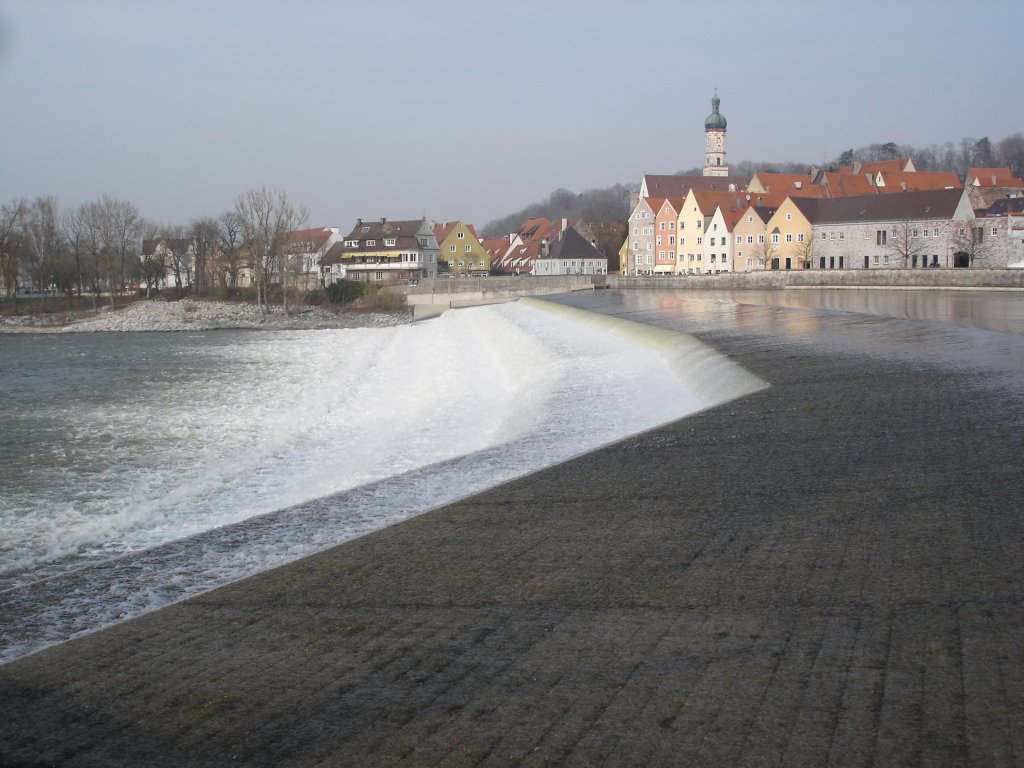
[(96, 249)]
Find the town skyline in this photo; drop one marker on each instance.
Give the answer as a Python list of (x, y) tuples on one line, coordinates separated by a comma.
[(182, 110)]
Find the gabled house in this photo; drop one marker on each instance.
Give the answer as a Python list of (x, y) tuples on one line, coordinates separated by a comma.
[(665, 245), (383, 252), (751, 250), (570, 254), (789, 233), (168, 261), (304, 251), (718, 240), (462, 249), (641, 237)]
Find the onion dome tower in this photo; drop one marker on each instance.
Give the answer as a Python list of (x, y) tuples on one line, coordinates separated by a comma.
[(714, 141)]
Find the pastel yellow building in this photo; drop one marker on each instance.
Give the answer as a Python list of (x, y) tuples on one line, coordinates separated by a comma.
[(462, 249), (789, 234)]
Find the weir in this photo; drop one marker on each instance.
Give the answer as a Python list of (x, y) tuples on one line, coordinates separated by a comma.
[(431, 297)]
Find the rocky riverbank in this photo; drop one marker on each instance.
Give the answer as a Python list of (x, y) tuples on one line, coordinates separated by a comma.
[(190, 315)]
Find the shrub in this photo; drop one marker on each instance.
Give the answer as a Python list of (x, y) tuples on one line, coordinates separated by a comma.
[(378, 297), (343, 291)]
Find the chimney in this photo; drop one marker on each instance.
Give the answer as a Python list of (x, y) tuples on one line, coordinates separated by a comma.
[(565, 224), (799, 185), (383, 220), (359, 222)]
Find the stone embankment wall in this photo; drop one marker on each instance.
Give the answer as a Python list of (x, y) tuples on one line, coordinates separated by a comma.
[(833, 278)]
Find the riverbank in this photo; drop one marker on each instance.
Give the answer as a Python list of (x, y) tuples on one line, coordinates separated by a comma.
[(197, 315), (824, 572)]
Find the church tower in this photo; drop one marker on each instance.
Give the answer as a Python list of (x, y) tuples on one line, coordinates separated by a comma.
[(714, 141)]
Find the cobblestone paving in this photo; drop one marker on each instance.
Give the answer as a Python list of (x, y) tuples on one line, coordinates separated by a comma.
[(828, 572)]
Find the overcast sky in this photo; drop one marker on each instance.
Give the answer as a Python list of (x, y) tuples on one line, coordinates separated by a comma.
[(470, 110)]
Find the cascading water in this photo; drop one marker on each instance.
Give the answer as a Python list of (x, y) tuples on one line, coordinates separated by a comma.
[(139, 469)]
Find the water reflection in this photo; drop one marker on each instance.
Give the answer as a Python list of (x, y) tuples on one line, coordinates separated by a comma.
[(1001, 311)]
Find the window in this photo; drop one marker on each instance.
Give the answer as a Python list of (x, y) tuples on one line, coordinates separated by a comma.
[(789, 237), (366, 229), (671, 239), (636, 246), (390, 242), (712, 241), (672, 255), (659, 239), (995, 231), (700, 240), (831, 235), (469, 249), (750, 239), (935, 232), (351, 243), (423, 242), (661, 254), (636, 230), (881, 238), (739, 239), (672, 225), (842, 235), (800, 237), (461, 235), (661, 226), (452, 247), (378, 275), (760, 239), (650, 246), (750, 263), (699, 223), (460, 263), (371, 243), (963, 232), (775, 238), (789, 217), (712, 258)]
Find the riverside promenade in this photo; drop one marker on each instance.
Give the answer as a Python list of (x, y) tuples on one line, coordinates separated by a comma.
[(827, 572)]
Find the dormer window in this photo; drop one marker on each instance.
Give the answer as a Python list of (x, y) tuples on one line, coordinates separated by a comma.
[(371, 243), (390, 242), (366, 229)]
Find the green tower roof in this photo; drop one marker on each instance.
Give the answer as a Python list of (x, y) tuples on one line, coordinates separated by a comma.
[(715, 121)]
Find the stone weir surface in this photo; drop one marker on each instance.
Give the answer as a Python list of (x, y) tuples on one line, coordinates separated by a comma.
[(826, 571)]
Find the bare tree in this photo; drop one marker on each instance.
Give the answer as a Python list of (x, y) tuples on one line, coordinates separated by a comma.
[(11, 218), (906, 242), (803, 253), (153, 260), (1011, 153), (970, 241), (45, 243), (230, 241), (765, 252), (205, 236), (265, 218)]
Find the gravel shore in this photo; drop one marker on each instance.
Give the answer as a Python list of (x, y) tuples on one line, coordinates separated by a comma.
[(826, 572), (188, 315)]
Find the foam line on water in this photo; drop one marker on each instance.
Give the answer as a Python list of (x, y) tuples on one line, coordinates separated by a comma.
[(709, 377)]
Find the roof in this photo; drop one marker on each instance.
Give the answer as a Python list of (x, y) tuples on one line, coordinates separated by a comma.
[(572, 245), (992, 177), (1004, 206), (443, 229), (898, 165), (898, 181), (679, 186), (788, 184), (914, 205), (174, 244)]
